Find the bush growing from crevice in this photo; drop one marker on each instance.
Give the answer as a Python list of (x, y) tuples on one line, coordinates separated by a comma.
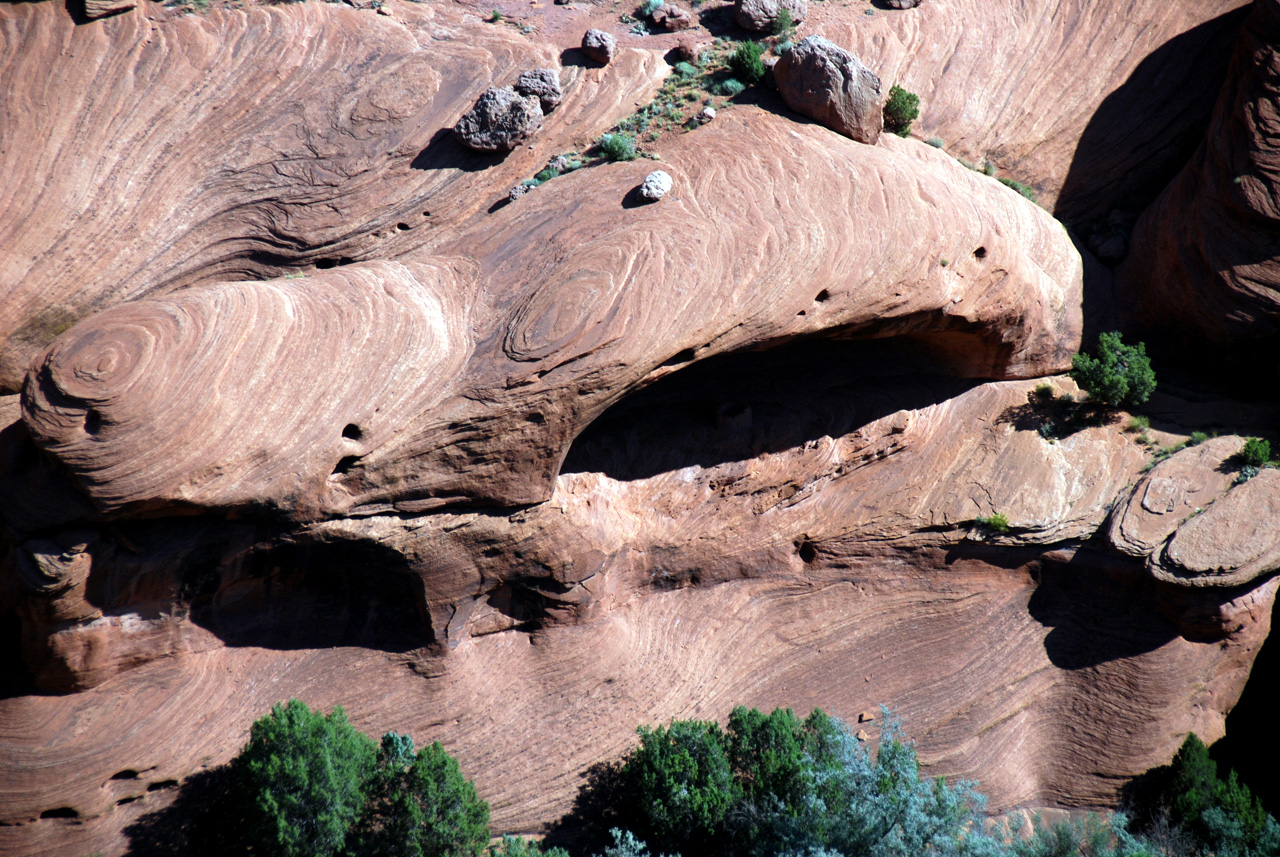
[(901, 108), (1021, 187), (1119, 376), (997, 523)]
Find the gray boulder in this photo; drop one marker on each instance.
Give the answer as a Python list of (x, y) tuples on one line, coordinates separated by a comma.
[(656, 185), (761, 15), (545, 84), (501, 120), (599, 46), (902, 4), (830, 85)]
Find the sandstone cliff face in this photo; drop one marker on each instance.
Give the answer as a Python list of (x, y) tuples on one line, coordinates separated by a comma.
[(308, 409), (1203, 268)]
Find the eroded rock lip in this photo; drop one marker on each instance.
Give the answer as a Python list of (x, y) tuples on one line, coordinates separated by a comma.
[(501, 120), (243, 423), (1177, 488), (830, 85), (1233, 542)]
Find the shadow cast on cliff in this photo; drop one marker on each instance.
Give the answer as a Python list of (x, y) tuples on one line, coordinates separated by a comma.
[(444, 152), (735, 407), (205, 819), (1098, 608), (1191, 69)]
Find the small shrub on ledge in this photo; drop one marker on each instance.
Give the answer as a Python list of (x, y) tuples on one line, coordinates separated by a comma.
[(996, 523)]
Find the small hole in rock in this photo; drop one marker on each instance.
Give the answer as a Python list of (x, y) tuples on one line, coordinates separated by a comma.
[(802, 312), (426, 214), (808, 553), (60, 812), (822, 296), (92, 421), (326, 264), (403, 227), (536, 418), (980, 253), (162, 784), (680, 357), (129, 799), (126, 774), (345, 464), (352, 432)]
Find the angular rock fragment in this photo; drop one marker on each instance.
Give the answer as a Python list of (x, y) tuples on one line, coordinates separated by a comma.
[(543, 83), (656, 185), (830, 85), (103, 8), (501, 120), (761, 15), (599, 46), (706, 114), (902, 4), (518, 191)]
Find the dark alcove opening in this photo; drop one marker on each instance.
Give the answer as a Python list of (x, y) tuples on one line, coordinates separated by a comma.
[(734, 407)]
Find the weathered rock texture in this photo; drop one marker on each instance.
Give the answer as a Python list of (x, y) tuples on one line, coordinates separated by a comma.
[(656, 185), (1204, 264), (549, 326), (545, 84), (827, 83), (599, 45), (340, 153), (761, 15), (501, 120)]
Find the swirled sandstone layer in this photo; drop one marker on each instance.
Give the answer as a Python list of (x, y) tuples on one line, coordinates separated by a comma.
[(1095, 104), (154, 150), (249, 394), (1204, 268), (838, 573), (776, 232)]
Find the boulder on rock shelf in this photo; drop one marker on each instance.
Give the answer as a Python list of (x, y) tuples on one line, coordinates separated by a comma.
[(656, 185), (706, 114), (830, 85), (501, 120), (103, 8), (761, 15), (902, 4), (599, 46), (543, 83), (518, 191), (672, 18)]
